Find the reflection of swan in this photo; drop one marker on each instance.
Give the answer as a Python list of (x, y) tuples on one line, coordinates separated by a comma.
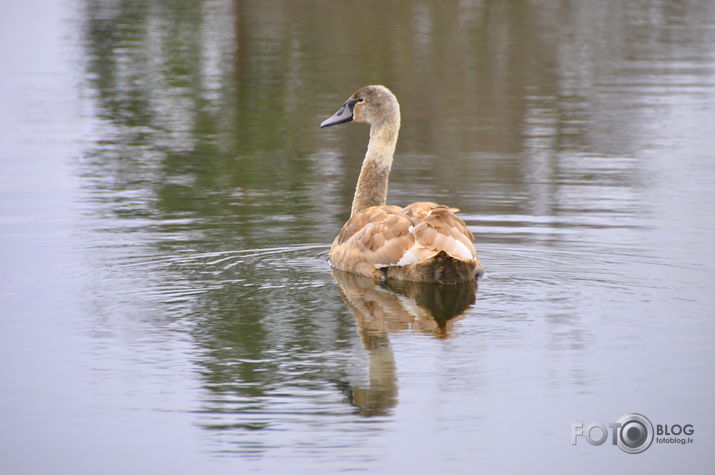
[(395, 306), (424, 242)]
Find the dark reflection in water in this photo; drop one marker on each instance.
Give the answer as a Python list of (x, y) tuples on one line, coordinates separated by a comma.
[(393, 306), (182, 263)]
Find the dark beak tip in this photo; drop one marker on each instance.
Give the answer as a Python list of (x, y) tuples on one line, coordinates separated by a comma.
[(344, 114)]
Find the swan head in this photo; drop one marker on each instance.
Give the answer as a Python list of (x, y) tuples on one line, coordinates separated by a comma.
[(374, 105)]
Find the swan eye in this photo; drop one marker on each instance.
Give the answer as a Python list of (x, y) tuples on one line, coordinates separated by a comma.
[(361, 99)]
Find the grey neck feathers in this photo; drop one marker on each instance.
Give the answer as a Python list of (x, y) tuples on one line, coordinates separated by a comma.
[(371, 187)]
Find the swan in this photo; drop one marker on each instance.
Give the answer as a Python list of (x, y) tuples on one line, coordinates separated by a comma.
[(422, 242)]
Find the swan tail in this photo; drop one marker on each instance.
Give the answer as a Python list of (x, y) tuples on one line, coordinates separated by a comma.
[(441, 268)]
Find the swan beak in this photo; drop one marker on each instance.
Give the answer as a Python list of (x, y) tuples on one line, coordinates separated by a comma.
[(344, 114)]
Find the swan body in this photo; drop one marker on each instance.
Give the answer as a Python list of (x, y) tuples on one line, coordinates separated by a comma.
[(423, 242)]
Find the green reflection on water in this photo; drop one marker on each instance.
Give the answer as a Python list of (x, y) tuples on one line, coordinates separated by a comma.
[(207, 142)]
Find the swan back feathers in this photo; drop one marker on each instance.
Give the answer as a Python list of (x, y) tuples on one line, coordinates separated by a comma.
[(381, 237)]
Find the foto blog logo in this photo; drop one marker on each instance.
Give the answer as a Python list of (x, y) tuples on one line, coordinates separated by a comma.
[(633, 433)]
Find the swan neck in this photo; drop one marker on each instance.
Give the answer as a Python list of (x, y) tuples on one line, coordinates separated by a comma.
[(383, 139), (372, 184)]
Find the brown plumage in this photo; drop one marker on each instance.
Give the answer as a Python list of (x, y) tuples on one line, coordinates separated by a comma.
[(423, 242)]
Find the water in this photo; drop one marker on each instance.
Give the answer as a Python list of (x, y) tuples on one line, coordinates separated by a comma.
[(168, 203)]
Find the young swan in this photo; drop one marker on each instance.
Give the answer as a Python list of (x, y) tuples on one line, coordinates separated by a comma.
[(423, 242)]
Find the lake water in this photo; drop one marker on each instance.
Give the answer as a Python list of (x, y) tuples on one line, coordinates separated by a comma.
[(168, 202)]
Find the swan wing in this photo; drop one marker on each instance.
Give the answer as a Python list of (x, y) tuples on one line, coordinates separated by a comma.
[(373, 238), (438, 228), (385, 236)]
